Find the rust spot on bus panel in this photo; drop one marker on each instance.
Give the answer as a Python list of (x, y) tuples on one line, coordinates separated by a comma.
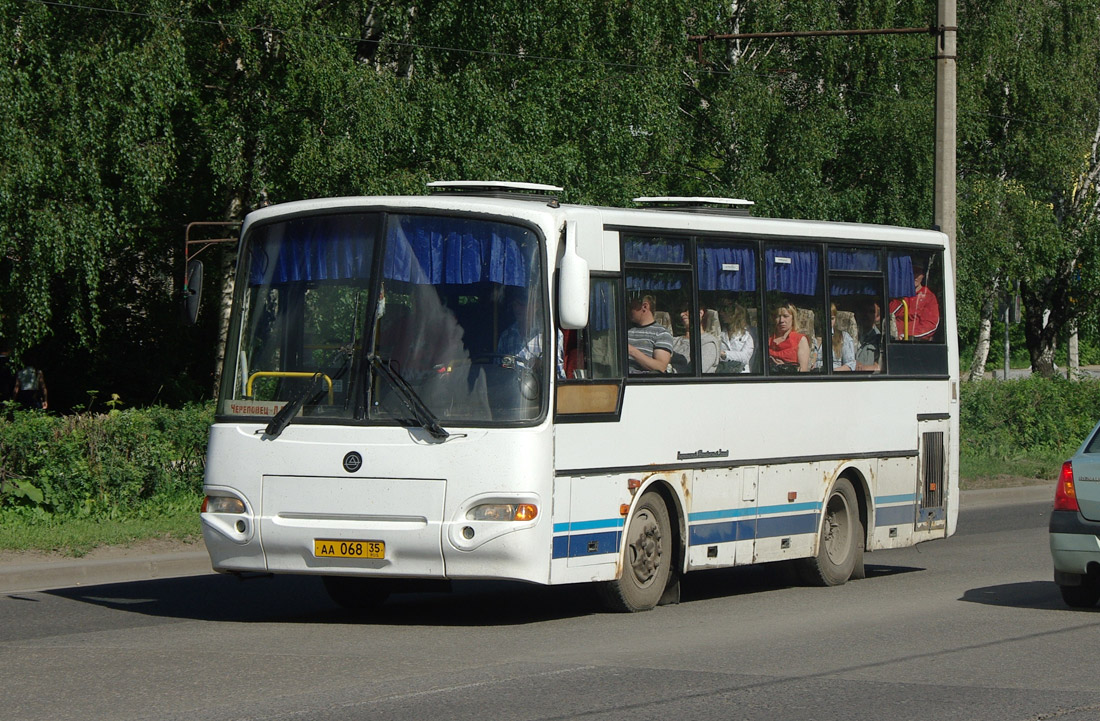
[(840, 466)]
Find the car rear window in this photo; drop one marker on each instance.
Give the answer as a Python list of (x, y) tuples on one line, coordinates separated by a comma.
[(1094, 443)]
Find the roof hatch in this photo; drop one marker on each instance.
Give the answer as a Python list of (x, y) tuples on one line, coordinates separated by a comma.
[(497, 189), (717, 206)]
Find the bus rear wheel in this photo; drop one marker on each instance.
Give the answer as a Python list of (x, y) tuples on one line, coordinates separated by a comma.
[(356, 594), (839, 545), (647, 559)]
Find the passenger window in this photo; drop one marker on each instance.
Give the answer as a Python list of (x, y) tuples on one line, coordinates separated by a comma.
[(857, 341), (728, 300), (914, 304), (796, 320), (917, 338), (657, 336)]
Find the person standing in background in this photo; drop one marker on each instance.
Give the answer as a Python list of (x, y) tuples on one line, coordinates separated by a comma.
[(30, 388)]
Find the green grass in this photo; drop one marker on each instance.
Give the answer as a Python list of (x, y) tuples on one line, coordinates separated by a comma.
[(177, 520), (989, 471)]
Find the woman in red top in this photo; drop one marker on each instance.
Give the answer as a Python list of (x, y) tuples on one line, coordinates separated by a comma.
[(788, 348)]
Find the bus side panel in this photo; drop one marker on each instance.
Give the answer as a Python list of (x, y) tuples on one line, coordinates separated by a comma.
[(588, 527), (722, 517), (895, 503), (788, 518)]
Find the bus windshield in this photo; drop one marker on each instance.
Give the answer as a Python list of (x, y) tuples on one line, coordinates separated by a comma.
[(393, 318)]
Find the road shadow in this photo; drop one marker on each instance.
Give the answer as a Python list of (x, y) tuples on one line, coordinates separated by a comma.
[(1026, 594), (302, 599), (729, 582)]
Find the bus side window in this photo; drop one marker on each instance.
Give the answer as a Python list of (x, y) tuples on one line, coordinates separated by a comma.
[(593, 351), (917, 339), (796, 321), (727, 277)]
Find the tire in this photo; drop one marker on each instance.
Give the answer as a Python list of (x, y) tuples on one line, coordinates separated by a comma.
[(356, 594), (840, 541), (647, 559), (1084, 596)]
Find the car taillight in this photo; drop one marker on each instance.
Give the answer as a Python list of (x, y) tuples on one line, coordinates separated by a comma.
[(1065, 497)]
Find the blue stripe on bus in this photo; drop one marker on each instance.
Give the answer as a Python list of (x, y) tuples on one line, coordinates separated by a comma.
[(732, 524), (578, 544), (589, 525), (753, 511), (769, 527), (895, 515), (899, 498)]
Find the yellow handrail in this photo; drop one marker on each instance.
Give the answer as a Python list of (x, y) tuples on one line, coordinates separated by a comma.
[(905, 310), (286, 374)]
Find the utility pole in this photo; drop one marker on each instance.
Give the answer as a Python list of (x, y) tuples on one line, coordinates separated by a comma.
[(944, 184)]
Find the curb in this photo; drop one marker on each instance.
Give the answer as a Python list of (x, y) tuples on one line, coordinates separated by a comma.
[(56, 574), (49, 575)]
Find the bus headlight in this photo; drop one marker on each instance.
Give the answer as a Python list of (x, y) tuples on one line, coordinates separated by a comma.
[(222, 504), (503, 512)]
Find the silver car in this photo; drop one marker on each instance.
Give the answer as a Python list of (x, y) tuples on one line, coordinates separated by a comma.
[(1075, 526)]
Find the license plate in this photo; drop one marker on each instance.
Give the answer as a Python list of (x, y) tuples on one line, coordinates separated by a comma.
[(324, 548)]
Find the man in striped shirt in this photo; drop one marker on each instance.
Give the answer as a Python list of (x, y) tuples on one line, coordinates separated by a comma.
[(649, 345)]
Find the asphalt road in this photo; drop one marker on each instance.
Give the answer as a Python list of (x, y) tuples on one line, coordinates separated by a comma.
[(967, 628)]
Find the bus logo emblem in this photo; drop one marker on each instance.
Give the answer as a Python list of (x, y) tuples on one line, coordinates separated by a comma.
[(353, 462)]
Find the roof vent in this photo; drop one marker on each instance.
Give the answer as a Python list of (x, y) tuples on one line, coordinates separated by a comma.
[(497, 189), (716, 206)]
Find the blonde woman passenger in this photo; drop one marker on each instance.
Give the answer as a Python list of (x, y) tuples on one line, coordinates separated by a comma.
[(788, 349), (738, 345)]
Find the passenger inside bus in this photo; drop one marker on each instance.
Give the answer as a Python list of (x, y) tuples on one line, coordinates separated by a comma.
[(681, 345), (869, 318), (788, 350), (738, 345), (917, 316), (649, 345), (844, 348)]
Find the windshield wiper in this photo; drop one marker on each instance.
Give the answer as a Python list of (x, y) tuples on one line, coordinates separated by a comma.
[(282, 418), (412, 401), (312, 389)]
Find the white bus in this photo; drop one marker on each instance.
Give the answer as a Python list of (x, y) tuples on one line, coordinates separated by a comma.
[(440, 387)]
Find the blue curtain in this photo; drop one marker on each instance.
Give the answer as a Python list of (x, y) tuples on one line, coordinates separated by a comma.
[(419, 249), (654, 250), (713, 277), (433, 251), (601, 305), (854, 259), (309, 249), (900, 275), (797, 277)]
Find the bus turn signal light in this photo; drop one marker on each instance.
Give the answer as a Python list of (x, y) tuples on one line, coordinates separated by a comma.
[(222, 504), (1065, 496), (503, 512)]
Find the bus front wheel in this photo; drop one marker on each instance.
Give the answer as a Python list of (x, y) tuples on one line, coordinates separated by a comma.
[(838, 547), (647, 559)]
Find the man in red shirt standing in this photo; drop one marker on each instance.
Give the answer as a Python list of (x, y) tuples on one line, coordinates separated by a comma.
[(918, 316)]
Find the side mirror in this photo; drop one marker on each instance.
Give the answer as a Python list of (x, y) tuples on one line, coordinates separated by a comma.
[(572, 283), (192, 292)]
